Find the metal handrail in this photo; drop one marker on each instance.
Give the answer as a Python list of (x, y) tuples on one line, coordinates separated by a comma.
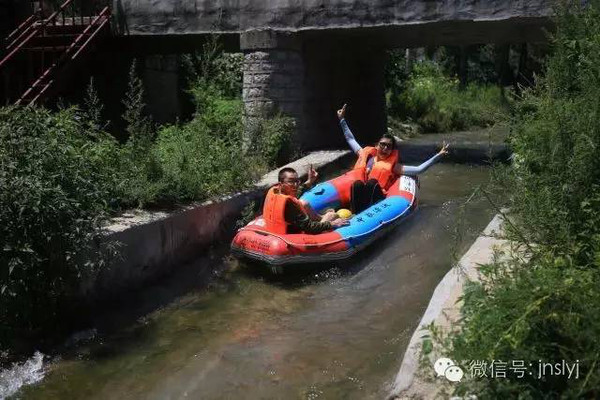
[(104, 13), (36, 28), (87, 22), (33, 28), (22, 28), (73, 57)]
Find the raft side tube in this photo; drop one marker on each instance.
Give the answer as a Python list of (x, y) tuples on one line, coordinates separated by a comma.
[(261, 243), (364, 224), (306, 258), (406, 187), (254, 239)]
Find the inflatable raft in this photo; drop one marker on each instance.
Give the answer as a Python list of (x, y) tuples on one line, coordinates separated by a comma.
[(255, 242)]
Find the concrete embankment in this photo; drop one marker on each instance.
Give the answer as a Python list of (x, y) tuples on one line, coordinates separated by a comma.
[(443, 312), (152, 243)]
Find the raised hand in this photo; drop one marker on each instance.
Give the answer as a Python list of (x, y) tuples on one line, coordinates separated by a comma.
[(444, 149), (341, 113), (313, 175)]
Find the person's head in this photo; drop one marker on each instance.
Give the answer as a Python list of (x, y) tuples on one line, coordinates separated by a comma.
[(386, 145), (288, 181)]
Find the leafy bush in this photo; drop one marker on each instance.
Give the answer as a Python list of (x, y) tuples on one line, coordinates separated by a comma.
[(206, 156), (272, 140), (438, 104), (546, 311), (198, 160), (198, 163), (55, 186), (139, 169), (559, 134), (211, 72), (547, 308)]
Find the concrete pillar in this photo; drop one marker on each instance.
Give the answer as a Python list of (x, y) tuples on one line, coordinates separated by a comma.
[(309, 79), (273, 78)]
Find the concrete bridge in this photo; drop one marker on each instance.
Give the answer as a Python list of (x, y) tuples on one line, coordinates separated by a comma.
[(307, 57)]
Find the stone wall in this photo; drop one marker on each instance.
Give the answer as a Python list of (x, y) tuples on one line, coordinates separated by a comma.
[(273, 77), (273, 82)]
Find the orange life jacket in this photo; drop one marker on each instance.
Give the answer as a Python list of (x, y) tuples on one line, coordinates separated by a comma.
[(274, 210), (382, 170)]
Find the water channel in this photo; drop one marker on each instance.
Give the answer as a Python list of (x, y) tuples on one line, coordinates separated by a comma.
[(221, 329)]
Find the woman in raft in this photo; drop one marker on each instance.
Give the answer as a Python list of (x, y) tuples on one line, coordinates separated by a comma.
[(377, 167)]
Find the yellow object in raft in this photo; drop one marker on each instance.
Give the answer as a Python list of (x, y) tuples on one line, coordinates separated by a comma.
[(344, 213)]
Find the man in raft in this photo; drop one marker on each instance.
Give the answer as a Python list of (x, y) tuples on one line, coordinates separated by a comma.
[(377, 167), (284, 213)]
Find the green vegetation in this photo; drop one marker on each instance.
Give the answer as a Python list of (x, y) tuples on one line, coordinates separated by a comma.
[(61, 176), (54, 187), (434, 100), (544, 304)]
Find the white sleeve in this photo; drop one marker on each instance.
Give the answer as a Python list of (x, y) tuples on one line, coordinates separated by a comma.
[(350, 137), (416, 170)]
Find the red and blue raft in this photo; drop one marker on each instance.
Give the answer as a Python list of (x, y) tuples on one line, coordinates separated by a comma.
[(255, 242)]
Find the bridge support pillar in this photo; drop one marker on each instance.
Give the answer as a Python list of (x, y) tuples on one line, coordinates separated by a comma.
[(273, 78), (309, 79)]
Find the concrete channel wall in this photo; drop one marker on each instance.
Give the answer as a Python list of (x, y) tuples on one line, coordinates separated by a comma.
[(152, 244), (444, 312)]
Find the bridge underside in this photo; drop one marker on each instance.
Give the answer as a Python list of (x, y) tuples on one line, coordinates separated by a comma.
[(438, 33), (309, 73)]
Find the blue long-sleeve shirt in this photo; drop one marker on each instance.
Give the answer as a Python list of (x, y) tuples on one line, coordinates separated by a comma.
[(406, 169)]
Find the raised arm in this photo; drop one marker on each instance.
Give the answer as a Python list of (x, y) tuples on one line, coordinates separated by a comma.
[(416, 170), (341, 113)]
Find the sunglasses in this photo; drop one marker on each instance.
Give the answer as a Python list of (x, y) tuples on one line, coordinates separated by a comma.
[(385, 145), (292, 181)]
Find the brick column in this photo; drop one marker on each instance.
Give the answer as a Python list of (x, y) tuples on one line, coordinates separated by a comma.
[(273, 77)]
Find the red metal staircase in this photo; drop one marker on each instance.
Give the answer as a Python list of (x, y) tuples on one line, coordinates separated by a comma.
[(38, 54)]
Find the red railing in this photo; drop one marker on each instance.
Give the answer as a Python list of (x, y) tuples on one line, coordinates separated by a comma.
[(41, 85), (41, 46), (21, 30)]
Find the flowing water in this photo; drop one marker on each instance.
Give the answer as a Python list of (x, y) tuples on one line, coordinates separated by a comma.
[(221, 329)]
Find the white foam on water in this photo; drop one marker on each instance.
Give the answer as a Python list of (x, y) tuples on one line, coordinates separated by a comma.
[(20, 374)]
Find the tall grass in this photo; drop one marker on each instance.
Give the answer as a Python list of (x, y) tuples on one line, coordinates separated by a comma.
[(547, 308), (437, 102), (56, 185)]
